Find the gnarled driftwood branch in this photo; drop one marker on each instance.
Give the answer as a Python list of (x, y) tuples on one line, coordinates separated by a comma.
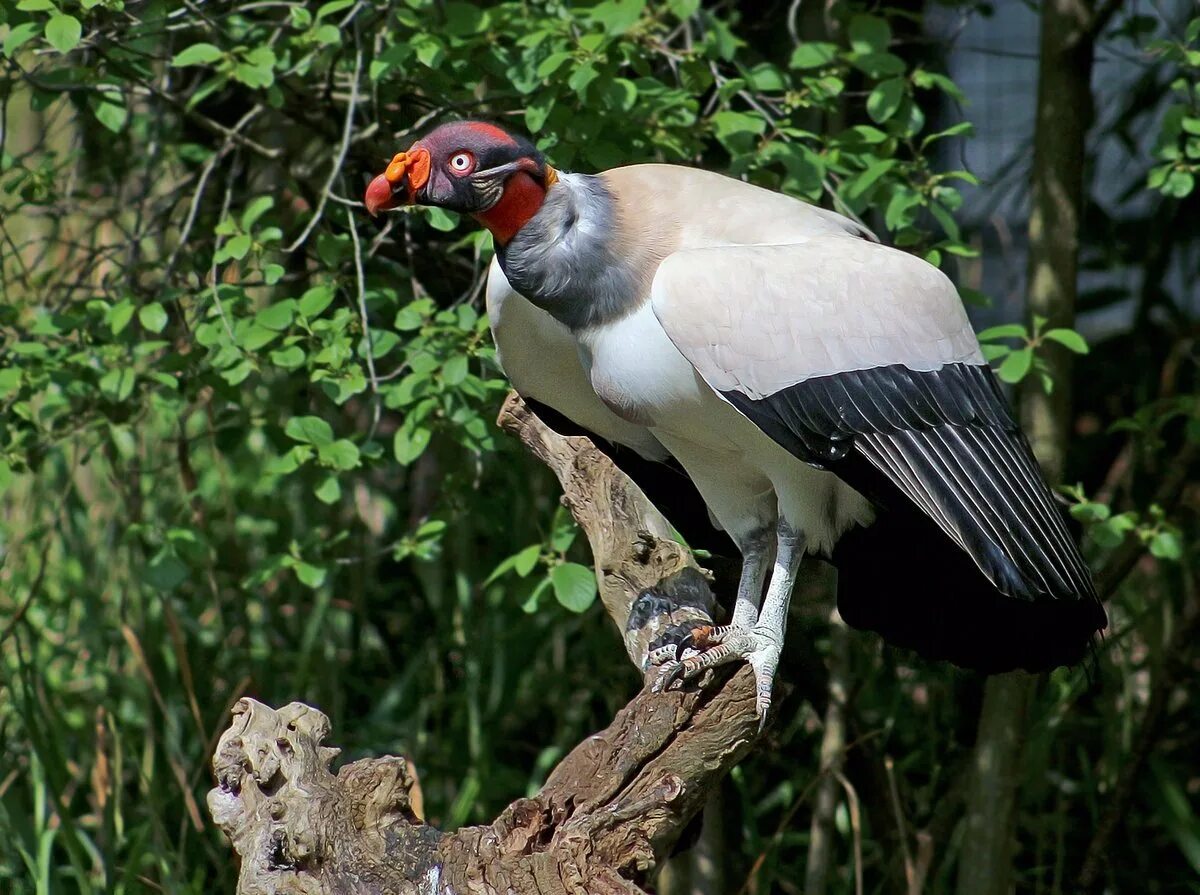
[(609, 812)]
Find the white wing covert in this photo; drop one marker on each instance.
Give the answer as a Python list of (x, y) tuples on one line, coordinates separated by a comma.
[(860, 359)]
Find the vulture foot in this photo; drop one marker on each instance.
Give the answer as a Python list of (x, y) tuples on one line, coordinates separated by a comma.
[(707, 646)]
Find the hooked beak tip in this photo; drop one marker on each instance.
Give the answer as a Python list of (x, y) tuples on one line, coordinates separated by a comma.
[(378, 196)]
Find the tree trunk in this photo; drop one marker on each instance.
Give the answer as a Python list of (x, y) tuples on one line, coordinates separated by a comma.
[(608, 814), (1064, 111), (833, 756)]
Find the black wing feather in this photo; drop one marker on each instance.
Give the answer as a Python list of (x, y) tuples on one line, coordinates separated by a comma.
[(943, 447)]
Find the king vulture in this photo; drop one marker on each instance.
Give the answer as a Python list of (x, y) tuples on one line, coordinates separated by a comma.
[(824, 393)]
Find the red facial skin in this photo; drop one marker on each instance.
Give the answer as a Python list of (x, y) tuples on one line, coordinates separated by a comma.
[(523, 191), (522, 197)]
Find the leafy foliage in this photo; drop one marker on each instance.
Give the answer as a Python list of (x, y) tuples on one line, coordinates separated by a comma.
[(246, 441)]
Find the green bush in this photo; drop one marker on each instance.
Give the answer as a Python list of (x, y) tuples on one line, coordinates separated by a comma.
[(246, 437)]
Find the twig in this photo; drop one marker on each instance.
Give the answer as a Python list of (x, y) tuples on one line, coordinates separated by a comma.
[(216, 292), (855, 829), (360, 281), (194, 208), (34, 590), (347, 128)]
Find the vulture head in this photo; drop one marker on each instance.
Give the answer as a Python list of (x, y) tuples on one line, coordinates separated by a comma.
[(472, 167)]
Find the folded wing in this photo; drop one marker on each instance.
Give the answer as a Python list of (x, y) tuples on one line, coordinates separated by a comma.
[(860, 359)]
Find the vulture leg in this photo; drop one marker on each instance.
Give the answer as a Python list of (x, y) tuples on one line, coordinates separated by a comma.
[(772, 621), (756, 558), (759, 641)]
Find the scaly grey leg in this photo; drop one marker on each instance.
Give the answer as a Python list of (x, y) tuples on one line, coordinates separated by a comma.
[(761, 643), (772, 621)]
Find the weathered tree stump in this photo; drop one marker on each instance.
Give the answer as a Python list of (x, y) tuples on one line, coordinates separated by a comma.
[(609, 812)]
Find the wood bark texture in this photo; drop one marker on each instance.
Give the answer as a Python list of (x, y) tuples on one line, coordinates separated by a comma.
[(608, 814)]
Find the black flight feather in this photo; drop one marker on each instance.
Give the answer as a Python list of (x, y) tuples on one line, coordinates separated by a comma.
[(970, 559)]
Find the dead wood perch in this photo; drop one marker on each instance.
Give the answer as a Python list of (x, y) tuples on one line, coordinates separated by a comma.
[(609, 812)]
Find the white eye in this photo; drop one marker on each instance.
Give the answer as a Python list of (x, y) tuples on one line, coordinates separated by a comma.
[(461, 162)]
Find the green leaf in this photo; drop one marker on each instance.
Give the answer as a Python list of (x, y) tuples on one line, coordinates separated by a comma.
[(441, 220), (329, 491), (332, 6), (552, 63), (120, 315), (1004, 331), (277, 316), (538, 110), (963, 128), (1179, 184), (683, 9), (869, 34), (165, 572), (728, 124), (19, 36), (455, 370), (531, 604), (465, 19), (1166, 545), (310, 575), (118, 384), (813, 55), (153, 317), (198, 54), (310, 430), (620, 93), (237, 247), (946, 219), (290, 358), (1068, 338), (112, 115), (574, 585), (315, 300), (1090, 512), (63, 32), (10, 380), (857, 188), (525, 561), (408, 445), (581, 76), (255, 210), (258, 69), (1016, 365), (253, 337), (879, 65), (617, 16), (341, 454), (885, 99)]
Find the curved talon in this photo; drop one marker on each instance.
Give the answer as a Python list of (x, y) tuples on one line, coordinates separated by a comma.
[(673, 674), (697, 639), (685, 643)]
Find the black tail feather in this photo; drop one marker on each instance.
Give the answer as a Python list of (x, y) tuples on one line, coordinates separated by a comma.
[(902, 578)]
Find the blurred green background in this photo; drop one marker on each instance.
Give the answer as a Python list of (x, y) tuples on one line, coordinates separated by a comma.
[(247, 442)]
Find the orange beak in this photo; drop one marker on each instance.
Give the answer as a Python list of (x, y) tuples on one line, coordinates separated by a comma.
[(398, 185)]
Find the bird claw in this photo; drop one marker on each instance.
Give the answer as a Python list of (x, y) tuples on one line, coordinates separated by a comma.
[(696, 640), (711, 646)]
